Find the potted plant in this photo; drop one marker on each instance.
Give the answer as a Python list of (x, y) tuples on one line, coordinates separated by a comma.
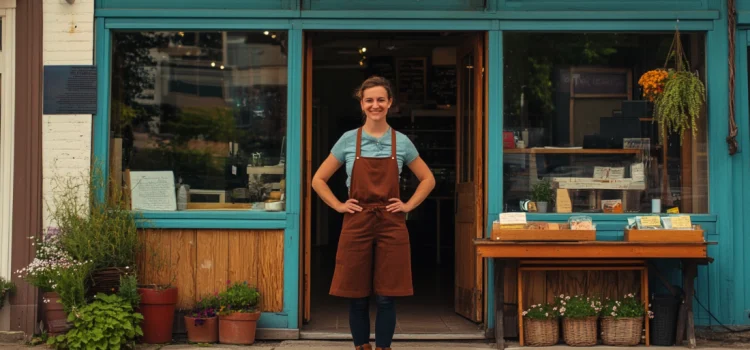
[(541, 194), (44, 272), (238, 314), (101, 232), (158, 301), (678, 94), (202, 323), (579, 314), (540, 325), (6, 288), (622, 321)]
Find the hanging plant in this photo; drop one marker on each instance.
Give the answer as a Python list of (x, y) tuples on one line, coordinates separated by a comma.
[(678, 94)]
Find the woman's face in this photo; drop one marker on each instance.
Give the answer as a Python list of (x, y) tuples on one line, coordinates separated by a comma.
[(375, 103)]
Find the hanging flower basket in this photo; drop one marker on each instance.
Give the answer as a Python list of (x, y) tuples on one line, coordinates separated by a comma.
[(678, 93)]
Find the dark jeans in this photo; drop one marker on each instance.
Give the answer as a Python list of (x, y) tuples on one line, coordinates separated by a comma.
[(385, 321)]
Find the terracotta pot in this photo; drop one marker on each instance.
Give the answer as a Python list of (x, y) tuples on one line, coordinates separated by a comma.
[(55, 317), (208, 332), (157, 308), (238, 328)]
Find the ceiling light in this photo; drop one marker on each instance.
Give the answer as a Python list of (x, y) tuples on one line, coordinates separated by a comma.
[(273, 36), (213, 64), (266, 32), (222, 67), (364, 49)]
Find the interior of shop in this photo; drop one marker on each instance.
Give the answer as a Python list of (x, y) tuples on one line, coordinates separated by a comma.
[(422, 70)]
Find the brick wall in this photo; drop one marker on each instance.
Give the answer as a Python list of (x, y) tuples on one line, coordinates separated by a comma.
[(68, 40)]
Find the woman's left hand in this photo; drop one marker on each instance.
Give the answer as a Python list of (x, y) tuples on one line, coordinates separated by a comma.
[(397, 206)]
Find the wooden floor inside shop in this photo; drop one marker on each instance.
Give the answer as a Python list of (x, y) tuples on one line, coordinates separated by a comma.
[(428, 314)]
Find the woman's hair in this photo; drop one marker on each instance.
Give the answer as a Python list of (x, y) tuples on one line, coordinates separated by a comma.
[(371, 82)]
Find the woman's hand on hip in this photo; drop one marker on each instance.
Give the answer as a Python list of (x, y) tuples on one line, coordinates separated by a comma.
[(397, 206), (350, 206)]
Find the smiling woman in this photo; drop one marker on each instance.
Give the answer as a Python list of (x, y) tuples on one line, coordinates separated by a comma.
[(198, 119)]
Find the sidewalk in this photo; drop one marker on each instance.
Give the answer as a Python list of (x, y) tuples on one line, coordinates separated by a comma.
[(345, 345)]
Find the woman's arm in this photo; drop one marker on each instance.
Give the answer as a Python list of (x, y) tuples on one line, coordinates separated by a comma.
[(426, 184), (320, 185)]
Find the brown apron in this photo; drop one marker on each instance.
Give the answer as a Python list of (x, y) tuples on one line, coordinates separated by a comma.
[(357, 274)]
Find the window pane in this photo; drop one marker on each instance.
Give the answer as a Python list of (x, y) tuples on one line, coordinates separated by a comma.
[(207, 108), (576, 120)]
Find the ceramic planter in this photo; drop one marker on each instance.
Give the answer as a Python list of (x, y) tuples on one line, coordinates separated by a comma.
[(54, 315), (207, 332), (541, 207), (157, 308), (238, 328)]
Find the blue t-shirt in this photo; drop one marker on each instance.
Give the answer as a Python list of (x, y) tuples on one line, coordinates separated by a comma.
[(345, 149)]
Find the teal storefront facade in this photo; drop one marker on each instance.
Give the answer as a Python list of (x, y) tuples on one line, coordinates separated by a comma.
[(722, 287)]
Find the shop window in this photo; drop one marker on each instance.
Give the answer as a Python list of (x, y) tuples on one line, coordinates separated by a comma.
[(576, 123), (198, 119)]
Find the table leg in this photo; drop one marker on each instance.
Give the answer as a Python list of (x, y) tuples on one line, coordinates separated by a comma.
[(644, 296), (437, 256), (691, 271), (519, 299), (499, 303)]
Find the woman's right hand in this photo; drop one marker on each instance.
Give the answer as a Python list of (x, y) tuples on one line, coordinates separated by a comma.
[(350, 206)]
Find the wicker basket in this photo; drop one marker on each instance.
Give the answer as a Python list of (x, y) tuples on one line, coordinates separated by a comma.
[(622, 331), (580, 332), (541, 332)]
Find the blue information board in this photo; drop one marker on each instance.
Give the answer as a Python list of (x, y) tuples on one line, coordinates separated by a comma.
[(70, 90)]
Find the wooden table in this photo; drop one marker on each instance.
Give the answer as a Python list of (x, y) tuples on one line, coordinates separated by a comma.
[(690, 254)]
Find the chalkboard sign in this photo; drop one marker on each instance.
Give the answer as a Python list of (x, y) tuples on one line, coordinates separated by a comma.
[(411, 80), (69, 90), (443, 84), (601, 82)]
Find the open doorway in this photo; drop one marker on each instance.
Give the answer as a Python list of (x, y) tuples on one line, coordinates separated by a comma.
[(439, 104)]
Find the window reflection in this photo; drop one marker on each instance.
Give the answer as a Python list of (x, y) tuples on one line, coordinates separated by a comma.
[(575, 120), (209, 107)]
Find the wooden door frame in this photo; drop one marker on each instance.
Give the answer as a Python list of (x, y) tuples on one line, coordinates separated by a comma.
[(477, 44), (481, 103)]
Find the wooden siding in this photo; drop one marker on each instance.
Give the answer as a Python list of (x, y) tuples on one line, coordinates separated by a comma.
[(202, 261)]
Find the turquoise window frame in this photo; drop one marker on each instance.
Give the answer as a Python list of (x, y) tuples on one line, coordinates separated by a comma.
[(718, 157), (234, 219)]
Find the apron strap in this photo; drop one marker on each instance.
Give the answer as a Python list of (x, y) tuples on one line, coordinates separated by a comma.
[(359, 142), (393, 143)]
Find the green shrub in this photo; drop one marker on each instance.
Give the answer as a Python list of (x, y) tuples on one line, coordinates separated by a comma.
[(107, 323), (129, 289), (71, 286), (239, 297)]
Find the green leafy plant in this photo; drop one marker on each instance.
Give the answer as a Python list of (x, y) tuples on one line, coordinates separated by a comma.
[(71, 286), (238, 297), (578, 306), (542, 191), (542, 312), (679, 105), (7, 287), (103, 232), (628, 307), (107, 323), (129, 290)]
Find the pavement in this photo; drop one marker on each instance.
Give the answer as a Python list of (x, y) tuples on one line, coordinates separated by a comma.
[(345, 345)]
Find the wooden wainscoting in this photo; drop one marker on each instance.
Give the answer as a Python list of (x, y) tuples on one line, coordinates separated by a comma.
[(204, 260)]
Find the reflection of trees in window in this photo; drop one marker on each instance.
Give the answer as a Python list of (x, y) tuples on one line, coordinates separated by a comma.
[(197, 103)]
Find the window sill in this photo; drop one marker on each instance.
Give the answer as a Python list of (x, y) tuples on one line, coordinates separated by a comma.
[(212, 220)]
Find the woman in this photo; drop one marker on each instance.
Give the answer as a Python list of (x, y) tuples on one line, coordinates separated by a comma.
[(374, 215)]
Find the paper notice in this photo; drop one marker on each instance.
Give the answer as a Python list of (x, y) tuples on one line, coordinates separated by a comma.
[(650, 221), (153, 190), (563, 201), (681, 222), (512, 218)]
